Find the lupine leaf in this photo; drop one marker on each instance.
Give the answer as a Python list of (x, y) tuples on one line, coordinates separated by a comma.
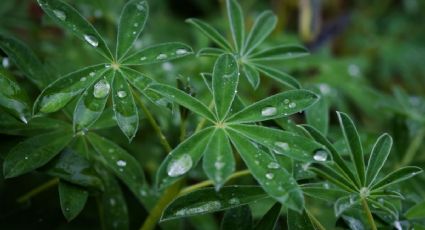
[(159, 53), (416, 212), (379, 155), (13, 98), (72, 199), (330, 174), (397, 176), (345, 203), (237, 25), (34, 152), (263, 26), (322, 191), (210, 52), (208, 200), (297, 221), (124, 107), (238, 218), (276, 181), (383, 205), (183, 158), (353, 141), (251, 74), (66, 16), (92, 103), (276, 106), (184, 100), (224, 83), (278, 76), (26, 60), (121, 163), (59, 93), (279, 53), (281, 142), (10, 126), (268, 222), (132, 21), (211, 33), (218, 162), (318, 115)]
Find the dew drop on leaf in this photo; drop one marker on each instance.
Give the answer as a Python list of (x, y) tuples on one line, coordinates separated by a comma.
[(234, 201), (292, 105), (101, 89), (140, 6), (219, 165), (181, 51), (92, 40), (179, 166), (60, 14), (121, 94), (91, 74), (83, 79), (286, 101), (269, 176), (121, 163), (273, 165), (268, 111), (142, 58), (320, 155), (161, 56), (282, 145), (5, 62)]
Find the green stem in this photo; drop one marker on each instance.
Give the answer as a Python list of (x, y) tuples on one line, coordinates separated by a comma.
[(37, 190), (368, 214), (413, 148), (154, 124), (183, 130)]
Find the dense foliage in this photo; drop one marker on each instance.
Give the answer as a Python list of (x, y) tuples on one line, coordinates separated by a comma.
[(141, 120)]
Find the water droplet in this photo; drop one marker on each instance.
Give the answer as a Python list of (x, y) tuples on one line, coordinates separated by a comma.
[(143, 192), (286, 101), (179, 166), (219, 165), (26, 158), (167, 66), (142, 58), (136, 24), (101, 89), (134, 32), (67, 209), (282, 145), (60, 14), (107, 65), (353, 70), (161, 56), (268, 111), (206, 207), (273, 165), (320, 155), (121, 94), (121, 163), (91, 74), (181, 51), (112, 202), (92, 40), (5, 62), (83, 79), (140, 6), (292, 105), (234, 201), (326, 185), (269, 176)]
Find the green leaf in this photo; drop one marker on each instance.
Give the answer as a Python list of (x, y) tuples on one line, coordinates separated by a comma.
[(211, 33), (237, 25), (208, 200), (34, 152), (385, 206), (210, 52), (184, 100), (278, 76), (322, 191), (379, 155), (279, 53), (345, 203), (297, 221), (224, 84), (268, 222), (397, 176), (330, 174), (10, 126), (72, 199), (218, 161), (69, 18), (281, 142), (416, 212), (13, 98), (276, 181), (264, 24), (251, 73), (124, 107), (92, 103), (353, 141), (121, 163), (159, 53), (239, 218), (183, 158), (276, 106), (318, 115), (26, 60), (131, 23), (59, 93)]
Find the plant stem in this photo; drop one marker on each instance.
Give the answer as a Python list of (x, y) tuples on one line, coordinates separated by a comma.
[(368, 214), (413, 148), (35, 191), (154, 124)]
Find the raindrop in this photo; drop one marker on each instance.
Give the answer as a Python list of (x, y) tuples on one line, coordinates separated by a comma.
[(268, 111), (269, 176), (161, 56), (142, 58), (121, 163), (136, 24), (60, 14), (134, 32), (181, 51), (273, 165), (179, 166), (101, 89), (67, 209), (219, 165), (326, 185), (286, 101), (140, 6), (353, 70), (121, 94), (26, 158), (5, 62), (292, 105), (234, 201), (91, 74), (92, 40), (83, 79), (320, 155), (167, 66), (282, 145)]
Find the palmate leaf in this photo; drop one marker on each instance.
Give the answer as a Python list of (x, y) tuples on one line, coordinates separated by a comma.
[(34, 152), (397, 176), (345, 203), (72, 199), (279, 53), (210, 52), (322, 191), (211, 33), (318, 115), (159, 53), (131, 23), (278, 76), (237, 218), (268, 222), (276, 181), (329, 173), (13, 98), (218, 162), (26, 60), (10, 126), (224, 84), (66, 16), (264, 24), (378, 157), (251, 73), (208, 200), (276, 106), (237, 25)]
